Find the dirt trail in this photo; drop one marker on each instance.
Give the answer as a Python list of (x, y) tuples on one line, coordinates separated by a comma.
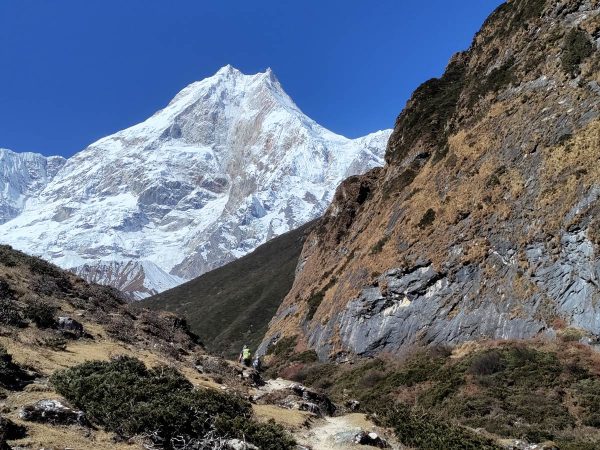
[(324, 433), (334, 433)]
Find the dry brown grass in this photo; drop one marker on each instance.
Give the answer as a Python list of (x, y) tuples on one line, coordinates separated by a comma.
[(289, 418)]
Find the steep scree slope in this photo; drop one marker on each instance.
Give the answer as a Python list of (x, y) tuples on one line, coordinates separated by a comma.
[(485, 220)]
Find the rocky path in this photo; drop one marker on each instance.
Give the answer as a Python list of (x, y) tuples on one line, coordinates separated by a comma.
[(318, 430), (334, 433)]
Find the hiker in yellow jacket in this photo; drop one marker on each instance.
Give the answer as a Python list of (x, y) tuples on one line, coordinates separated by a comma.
[(245, 356)]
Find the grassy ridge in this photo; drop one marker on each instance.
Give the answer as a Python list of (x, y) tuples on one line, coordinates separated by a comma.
[(233, 305)]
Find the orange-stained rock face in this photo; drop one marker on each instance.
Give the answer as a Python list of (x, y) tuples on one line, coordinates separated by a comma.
[(485, 220)]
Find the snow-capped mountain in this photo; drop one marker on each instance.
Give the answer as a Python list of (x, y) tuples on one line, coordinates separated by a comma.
[(23, 175), (228, 164)]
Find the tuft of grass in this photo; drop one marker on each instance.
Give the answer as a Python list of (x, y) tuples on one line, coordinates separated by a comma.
[(378, 246), (427, 219)]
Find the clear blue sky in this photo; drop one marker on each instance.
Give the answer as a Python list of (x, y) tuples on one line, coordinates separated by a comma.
[(72, 71)]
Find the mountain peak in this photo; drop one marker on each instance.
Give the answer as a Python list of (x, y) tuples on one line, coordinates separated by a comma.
[(229, 163), (228, 70)]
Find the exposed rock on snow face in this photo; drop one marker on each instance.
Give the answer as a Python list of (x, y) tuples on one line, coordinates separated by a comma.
[(23, 175), (230, 163)]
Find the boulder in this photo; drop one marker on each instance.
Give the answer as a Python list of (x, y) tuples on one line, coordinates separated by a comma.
[(52, 412), (237, 444), (352, 405), (70, 326), (321, 400), (252, 377), (518, 444), (372, 439), (295, 396)]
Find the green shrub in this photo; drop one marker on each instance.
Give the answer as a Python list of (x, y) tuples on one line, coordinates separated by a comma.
[(428, 113), (10, 314), (427, 219), (577, 47), (498, 78), (55, 343), (588, 396), (266, 436), (378, 246), (487, 363), (427, 432), (40, 313), (307, 356), (41, 267), (12, 377), (125, 397), (314, 301), (284, 347), (7, 256)]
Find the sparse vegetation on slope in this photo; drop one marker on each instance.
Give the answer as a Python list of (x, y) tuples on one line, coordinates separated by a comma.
[(34, 293), (535, 392), (231, 306)]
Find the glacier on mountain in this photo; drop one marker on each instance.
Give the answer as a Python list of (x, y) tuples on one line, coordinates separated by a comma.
[(23, 175), (229, 163)]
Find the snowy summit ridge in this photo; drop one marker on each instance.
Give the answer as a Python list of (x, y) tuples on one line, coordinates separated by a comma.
[(229, 163)]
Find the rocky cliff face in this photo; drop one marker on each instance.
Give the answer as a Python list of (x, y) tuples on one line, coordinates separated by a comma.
[(230, 163), (23, 175), (484, 223)]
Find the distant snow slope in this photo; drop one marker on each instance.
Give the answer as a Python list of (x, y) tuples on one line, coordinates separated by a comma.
[(230, 163), (23, 175)]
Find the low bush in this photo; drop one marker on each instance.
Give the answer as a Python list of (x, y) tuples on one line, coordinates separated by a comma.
[(305, 357), (577, 47), (427, 432), (10, 313), (129, 399), (284, 347), (56, 343), (9, 431), (427, 219), (40, 313), (486, 363), (7, 256), (588, 395), (314, 301), (12, 376)]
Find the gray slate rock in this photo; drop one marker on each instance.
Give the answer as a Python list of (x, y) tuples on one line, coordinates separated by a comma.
[(52, 412)]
